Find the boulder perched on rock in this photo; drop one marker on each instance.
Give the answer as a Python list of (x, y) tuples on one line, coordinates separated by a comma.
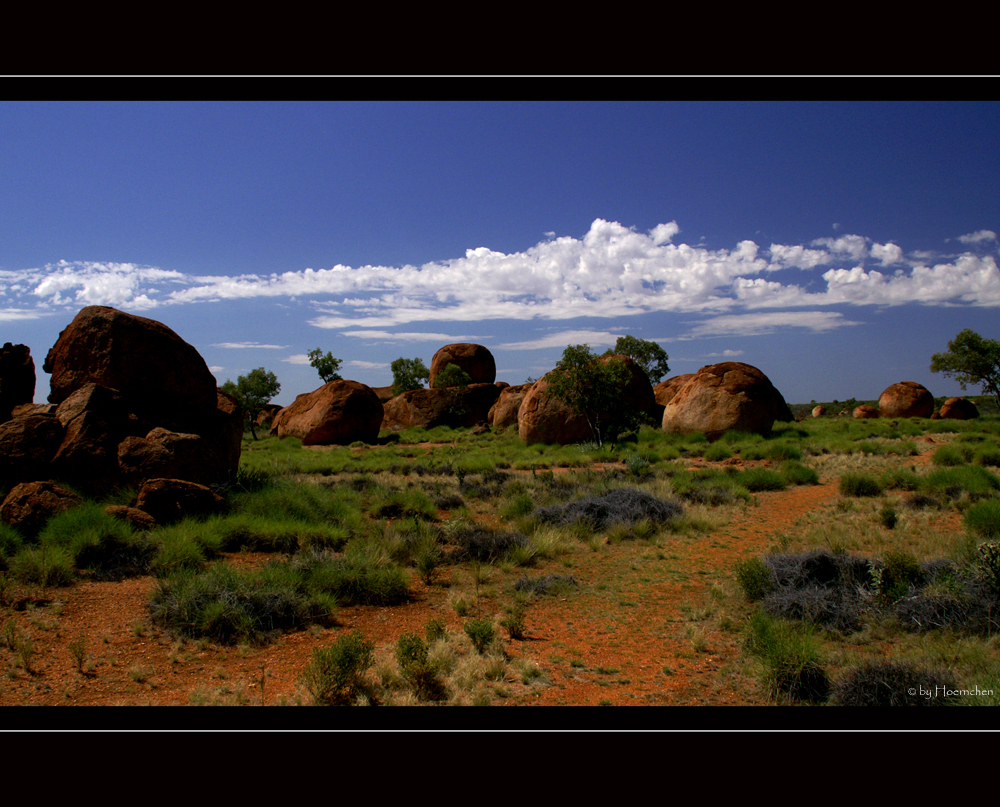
[(169, 500), (476, 360), (17, 378), (544, 418), (139, 519), (504, 412), (866, 411), (337, 413), (142, 358), (723, 397), (818, 411), (30, 504), (907, 399), (427, 408), (958, 409), (166, 454)]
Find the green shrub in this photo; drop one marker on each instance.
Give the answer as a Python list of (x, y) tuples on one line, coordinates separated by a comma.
[(754, 577), (519, 505), (952, 455), (352, 580), (791, 659), (43, 565), (953, 483), (717, 452), (796, 473), (899, 572), (783, 451), (987, 455), (858, 484), (336, 675), (482, 633), (229, 605), (761, 479), (418, 672), (887, 517), (982, 519), (98, 542)]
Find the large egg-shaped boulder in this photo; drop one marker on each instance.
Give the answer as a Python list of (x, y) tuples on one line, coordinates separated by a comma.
[(476, 360), (907, 399), (338, 413), (722, 397)]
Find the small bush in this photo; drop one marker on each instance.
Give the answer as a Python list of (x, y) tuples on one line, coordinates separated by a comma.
[(761, 479), (796, 473), (486, 546), (983, 519), (43, 565), (754, 577), (619, 506), (554, 584), (418, 672), (482, 633), (952, 455), (887, 517), (717, 452), (790, 655), (885, 683), (336, 674), (858, 484)]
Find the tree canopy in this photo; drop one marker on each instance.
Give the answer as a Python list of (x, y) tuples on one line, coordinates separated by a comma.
[(326, 366), (408, 374), (971, 359), (592, 388), (648, 355), (253, 392), (452, 376)]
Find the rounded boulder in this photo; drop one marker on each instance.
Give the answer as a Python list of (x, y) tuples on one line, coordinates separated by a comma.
[(338, 413)]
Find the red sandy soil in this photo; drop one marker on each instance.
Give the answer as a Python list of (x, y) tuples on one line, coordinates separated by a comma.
[(598, 645)]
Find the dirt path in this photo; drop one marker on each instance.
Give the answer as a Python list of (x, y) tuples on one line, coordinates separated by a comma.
[(635, 631)]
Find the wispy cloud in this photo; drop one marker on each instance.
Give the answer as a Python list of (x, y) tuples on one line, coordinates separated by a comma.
[(613, 271), (239, 345), (563, 338), (756, 324)]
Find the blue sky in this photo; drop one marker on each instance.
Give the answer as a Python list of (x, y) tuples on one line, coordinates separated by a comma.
[(834, 245)]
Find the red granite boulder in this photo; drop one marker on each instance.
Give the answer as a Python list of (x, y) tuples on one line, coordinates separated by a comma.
[(476, 360), (338, 413), (17, 378), (543, 418), (723, 397), (429, 408), (142, 358), (503, 413), (170, 500), (30, 504), (866, 411), (907, 399), (958, 409), (27, 446)]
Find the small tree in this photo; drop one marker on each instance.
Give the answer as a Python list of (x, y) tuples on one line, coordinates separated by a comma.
[(648, 355), (326, 366), (452, 376), (253, 392), (971, 359), (593, 388), (408, 374)]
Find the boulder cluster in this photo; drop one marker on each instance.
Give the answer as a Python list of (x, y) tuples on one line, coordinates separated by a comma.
[(131, 405)]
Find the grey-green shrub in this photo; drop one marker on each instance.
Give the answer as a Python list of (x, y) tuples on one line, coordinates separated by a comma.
[(335, 675)]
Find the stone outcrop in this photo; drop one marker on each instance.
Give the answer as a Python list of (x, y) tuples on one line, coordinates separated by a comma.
[(958, 409), (504, 412), (338, 413), (169, 500), (117, 379), (140, 357), (30, 504), (543, 418), (428, 408), (476, 360), (723, 397), (866, 411), (17, 378), (907, 399), (818, 411)]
